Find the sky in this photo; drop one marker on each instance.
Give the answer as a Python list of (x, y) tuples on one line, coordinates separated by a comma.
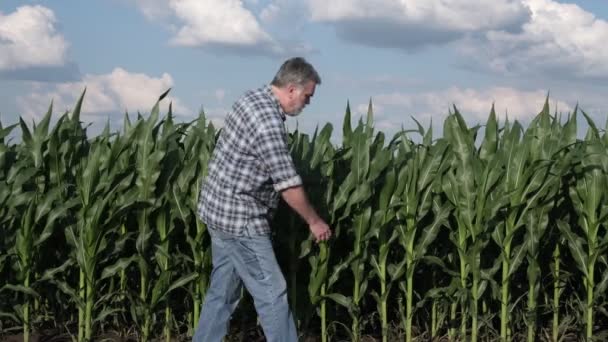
[(411, 58)]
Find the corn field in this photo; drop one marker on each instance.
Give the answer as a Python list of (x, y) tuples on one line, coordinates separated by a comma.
[(495, 232)]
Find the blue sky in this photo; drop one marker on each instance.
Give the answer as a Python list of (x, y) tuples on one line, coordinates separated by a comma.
[(411, 57)]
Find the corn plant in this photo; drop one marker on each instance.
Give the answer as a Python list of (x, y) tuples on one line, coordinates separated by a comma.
[(322, 158), (360, 166), (169, 143), (425, 225), (164, 228), (41, 205), (300, 151), (528, 185), (590, 240), (156, 150), (11, 183), (548, 142), (385, 239), (148, 158), (470, 186), (368, 159), (198, 143), (7, 156), (313, 157), (98, 216), (415, 195)]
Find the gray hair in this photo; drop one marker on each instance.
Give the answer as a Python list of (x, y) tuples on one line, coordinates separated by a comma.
[(295, 71)]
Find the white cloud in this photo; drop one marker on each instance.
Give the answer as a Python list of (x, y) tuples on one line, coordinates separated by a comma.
[(410, 23), (448, 14), (154, 9), (518, 36), (113, 93), (230, 25), (217, 21), (474, 104), (270, 13), (28, 38), (559, 38)]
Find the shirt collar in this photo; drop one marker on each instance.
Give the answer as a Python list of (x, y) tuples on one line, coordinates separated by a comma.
[(268, 90)]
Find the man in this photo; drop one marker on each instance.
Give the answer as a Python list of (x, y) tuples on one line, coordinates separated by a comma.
[(250, 167)]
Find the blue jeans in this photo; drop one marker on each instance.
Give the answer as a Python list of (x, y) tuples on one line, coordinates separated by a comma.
[(248, 261)]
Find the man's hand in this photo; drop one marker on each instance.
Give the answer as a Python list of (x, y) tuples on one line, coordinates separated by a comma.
[(320, 230), (296, 198)]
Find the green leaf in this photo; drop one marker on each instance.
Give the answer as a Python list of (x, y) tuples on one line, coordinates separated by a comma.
[(347, 131), (19, 288), (4, 132), (489, 145), (51, 273), (183, 281), (344, 192), (429, 233), (576, 247), (519, 252), (342, 300), (106, 312), (602, 285), (160, 289), (118, 266), (305, 247), (379, 163), (360, 162)]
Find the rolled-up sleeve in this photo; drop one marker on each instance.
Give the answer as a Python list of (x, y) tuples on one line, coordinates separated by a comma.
[(271, 147)]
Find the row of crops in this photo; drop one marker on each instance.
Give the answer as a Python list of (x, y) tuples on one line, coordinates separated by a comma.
[(493, 232)]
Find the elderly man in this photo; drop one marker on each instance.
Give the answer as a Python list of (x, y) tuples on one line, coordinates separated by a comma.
[(250, 167)]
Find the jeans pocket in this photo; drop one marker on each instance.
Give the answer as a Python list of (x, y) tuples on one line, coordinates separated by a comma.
[(250, 259), (217, 240)]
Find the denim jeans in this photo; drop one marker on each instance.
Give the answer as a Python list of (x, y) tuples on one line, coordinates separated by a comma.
[(248, 261)]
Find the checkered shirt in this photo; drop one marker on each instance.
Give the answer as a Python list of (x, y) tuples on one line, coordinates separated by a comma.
[(250, 165)]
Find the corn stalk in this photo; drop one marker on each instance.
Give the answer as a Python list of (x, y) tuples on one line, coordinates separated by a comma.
[(368, 160), (386, 238), (321, 163), (548, 143), (98, 216), (198, 142), (470, 185), (415, 196), (590, 240)]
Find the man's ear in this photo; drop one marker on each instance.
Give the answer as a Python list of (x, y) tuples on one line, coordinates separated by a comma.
[(291, 90)]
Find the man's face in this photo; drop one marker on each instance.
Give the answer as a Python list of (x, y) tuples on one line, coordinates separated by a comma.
[(300, 97)]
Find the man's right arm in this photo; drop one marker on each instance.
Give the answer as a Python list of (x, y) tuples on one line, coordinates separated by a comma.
[(271, 148), (297, 200)]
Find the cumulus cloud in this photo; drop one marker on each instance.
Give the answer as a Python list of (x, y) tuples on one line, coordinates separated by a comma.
[(409, 24), (288, 15), (154, 9), (223, 25), (29, 38), (503, 36), (106, 94), (560, 38), (396, 108), (271, 12), (217, 21)]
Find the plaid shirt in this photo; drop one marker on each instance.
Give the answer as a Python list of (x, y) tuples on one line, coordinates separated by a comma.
[(250, 165)]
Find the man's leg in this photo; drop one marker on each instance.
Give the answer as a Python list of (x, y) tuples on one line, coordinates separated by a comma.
[(257, 266), (222, 296)]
